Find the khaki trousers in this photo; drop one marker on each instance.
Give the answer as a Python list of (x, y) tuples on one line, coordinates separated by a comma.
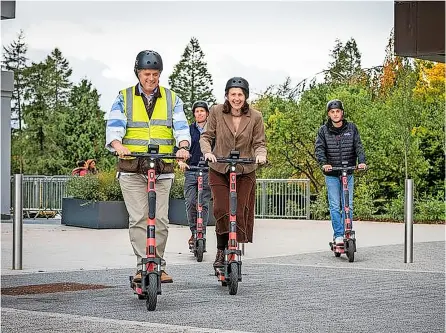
[(134, 191)]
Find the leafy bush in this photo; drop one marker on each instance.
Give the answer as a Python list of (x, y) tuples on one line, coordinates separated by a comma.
[(363, 199), (101, 187), (105, 187), (430, 209), (319, 208), (177, 190)]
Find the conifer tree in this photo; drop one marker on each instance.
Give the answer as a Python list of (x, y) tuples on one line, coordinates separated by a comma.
[(191, 79)]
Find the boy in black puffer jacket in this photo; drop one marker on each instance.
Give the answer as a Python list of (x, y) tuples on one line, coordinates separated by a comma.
[(338, 141)]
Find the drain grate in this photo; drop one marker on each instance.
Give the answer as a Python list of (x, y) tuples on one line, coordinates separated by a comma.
[(50, 288)]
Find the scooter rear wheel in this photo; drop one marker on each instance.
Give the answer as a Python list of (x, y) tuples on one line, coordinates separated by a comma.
[(233, 278), (200, 250), (337, 254), (152, 292)]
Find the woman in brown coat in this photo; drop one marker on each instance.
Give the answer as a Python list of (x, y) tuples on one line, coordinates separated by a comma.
[(233, 126)]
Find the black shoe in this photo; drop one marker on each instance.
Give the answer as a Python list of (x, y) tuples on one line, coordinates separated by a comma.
[(219, 259)]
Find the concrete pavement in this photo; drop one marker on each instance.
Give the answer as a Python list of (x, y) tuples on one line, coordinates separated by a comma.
[(291, 282)]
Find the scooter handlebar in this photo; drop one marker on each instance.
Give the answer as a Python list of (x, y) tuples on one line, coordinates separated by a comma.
[(235, 160), (198, 168), (344, 168), (150, 155)]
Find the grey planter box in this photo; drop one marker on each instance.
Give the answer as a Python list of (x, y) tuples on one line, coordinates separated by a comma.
[(177, 212), (96, 215), (113, 214)]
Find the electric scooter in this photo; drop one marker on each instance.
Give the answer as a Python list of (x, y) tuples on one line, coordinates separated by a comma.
[(231, 273), (199, 245), (150, 286), (349, 245)]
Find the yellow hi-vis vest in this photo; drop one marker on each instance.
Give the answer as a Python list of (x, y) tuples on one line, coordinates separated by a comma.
[(141, 131)]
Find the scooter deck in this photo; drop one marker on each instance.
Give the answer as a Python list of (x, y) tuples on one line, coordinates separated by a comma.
[(337, 248), (136, 286)]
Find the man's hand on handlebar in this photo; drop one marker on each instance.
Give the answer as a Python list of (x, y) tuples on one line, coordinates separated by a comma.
[(327, 167), (183, 166), (121, 151), (362, 166), (183, 154)]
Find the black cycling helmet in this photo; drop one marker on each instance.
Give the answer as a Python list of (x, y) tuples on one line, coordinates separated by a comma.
[(238, 82), (200, 104), (148, 59), (335, 104)]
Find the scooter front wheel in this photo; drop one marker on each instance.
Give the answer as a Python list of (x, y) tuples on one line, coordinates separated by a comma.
[(351, 250), (152, 291), (233, 278), (200, 250)]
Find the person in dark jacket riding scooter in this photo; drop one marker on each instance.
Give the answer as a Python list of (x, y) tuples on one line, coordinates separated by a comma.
[(200, 110), (338, 141)]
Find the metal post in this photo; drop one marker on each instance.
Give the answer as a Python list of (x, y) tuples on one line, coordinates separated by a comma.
[(263, 199), (308, 203), (17, 231), (408, 221)]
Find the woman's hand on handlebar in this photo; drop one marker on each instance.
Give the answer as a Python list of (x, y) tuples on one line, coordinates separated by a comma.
[(362, 166), (210, 157), (260, 159)]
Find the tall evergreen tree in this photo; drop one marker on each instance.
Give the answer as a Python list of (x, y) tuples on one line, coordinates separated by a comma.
[(47, 91), (191, 79), (15, 60), (346, 62), (59, 84), (84, 126)]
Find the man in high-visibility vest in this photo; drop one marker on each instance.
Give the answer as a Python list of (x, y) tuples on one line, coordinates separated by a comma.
[(141, 115)]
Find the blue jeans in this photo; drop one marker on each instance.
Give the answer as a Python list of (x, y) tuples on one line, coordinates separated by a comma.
[(191, 194), (336, 203)]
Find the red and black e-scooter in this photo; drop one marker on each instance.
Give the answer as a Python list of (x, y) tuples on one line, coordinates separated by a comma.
[(199, 245), (349, 245), (150, 286), (231, 273)]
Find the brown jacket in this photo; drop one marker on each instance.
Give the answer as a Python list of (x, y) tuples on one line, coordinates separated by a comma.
[(249, 140)]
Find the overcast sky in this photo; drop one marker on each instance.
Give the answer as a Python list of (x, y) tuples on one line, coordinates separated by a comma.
[(261, 41)]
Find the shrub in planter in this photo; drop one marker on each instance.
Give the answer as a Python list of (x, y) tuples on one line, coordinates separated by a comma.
[(95, 201), (101, 187)]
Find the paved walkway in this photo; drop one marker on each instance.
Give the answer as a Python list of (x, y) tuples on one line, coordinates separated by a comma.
[(291, 282)]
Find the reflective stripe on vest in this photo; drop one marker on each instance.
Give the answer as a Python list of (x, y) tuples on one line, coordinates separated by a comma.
[(140, 130), (156, 122)]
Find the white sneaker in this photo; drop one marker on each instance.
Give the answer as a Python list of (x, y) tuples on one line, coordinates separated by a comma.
[(339, 240)]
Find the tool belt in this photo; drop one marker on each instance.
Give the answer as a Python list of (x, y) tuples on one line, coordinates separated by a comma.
[(141, 165)]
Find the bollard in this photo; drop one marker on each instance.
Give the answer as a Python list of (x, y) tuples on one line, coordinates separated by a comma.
[(17, 231), (408, 221)]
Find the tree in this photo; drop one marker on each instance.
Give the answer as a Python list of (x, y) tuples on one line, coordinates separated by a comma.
[(84, 125), (191, 79), (14, 59), (47, 90), (346, 64)]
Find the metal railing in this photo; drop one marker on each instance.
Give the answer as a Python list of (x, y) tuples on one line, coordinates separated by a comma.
[(42, 195), (283, 198), (275, 198)]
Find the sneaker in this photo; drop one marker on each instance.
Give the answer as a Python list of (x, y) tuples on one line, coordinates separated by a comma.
[(191, 242), (138, 276), (166, 278), (339, 240)]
